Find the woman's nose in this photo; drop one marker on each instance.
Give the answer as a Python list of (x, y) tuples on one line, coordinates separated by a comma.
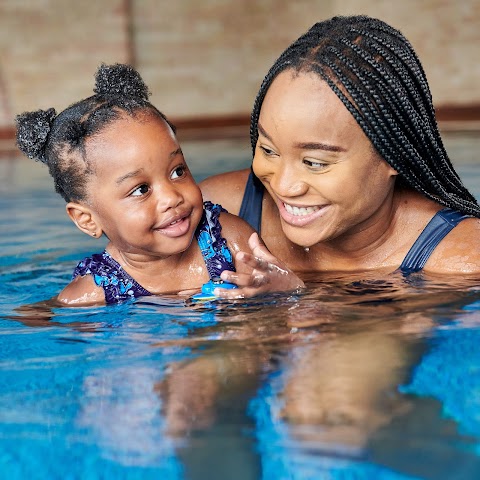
[(287, 182)]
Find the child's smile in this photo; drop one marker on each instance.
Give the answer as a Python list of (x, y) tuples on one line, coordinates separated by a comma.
[(150, 191), (176, 228)]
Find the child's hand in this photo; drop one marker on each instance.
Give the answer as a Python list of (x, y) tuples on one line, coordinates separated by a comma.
[(269, 274)]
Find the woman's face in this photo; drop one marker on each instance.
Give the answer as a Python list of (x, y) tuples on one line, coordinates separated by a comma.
[(317, 164)]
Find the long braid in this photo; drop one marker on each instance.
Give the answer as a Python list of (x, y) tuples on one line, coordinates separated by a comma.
[(424, 114), (364, 104), (377, 75), (438, 189)]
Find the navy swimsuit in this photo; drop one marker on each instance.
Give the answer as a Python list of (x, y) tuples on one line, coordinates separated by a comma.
[(118, 285), (438, 227), (251, 208)]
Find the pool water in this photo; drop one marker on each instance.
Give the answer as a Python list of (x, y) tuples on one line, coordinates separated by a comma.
[(358, 378)]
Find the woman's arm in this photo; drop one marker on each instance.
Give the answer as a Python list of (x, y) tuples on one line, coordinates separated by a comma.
[(458, 252)]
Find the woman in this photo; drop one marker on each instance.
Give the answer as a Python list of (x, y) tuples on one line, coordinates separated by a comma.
[(349, 169)]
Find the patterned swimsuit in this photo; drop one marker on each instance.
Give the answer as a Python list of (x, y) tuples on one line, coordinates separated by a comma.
[(118, 285)]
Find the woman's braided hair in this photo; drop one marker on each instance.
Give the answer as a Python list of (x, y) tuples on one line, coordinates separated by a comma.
[(59, 140), (377, 75)]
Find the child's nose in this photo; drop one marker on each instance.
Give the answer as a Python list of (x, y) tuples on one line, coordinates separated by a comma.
[(169, 197)]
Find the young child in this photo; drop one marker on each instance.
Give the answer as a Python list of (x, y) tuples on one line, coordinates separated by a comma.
[(117, 163)]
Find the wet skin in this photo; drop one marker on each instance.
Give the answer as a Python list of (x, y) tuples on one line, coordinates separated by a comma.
[(141, 195), (332, 203)]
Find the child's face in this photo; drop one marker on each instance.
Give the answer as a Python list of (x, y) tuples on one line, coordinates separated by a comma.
[(141, 191)]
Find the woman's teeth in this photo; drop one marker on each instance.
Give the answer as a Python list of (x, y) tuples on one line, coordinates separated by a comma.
[(299, 211)]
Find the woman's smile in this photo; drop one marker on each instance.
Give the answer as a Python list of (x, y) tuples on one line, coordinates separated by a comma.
[(300, 216), (300, 211)]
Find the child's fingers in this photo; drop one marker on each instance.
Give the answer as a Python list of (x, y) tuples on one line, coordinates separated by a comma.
[(254, 241), (232, 294), (265, 273), (226, 294)]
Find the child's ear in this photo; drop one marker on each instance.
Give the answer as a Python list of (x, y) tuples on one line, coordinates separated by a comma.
[(83, 217)]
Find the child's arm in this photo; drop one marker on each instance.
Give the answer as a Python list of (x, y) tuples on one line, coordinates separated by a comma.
[(258, 272), (81, 291)]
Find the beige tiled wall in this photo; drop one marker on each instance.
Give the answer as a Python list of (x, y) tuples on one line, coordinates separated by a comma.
[(49, 50), (209, 57)]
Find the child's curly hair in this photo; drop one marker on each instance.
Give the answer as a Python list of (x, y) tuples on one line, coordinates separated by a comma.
[(59, 140)]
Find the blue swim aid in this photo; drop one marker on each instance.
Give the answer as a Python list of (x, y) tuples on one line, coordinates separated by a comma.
[(215, 252), (207, 295)]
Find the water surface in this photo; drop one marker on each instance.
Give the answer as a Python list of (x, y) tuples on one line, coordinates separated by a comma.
[(356, 378)]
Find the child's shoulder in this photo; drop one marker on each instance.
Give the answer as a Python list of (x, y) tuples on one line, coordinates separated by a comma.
[(82, 290), (234, 229)]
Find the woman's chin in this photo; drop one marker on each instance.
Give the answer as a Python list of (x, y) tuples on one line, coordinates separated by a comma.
[(300, 236)]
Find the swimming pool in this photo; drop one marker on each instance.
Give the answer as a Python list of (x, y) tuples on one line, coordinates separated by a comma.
[(365, 378)]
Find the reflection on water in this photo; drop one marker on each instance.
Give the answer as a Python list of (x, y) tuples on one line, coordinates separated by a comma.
[(349, 378), (360, 377)]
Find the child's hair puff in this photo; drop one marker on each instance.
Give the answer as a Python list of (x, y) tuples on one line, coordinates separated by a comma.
[(59, 140), (32, 132), (122, 80)]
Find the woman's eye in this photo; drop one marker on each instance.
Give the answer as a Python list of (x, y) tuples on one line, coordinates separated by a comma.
[(179, 172), (267, 151), (315, 164), (139, 191)]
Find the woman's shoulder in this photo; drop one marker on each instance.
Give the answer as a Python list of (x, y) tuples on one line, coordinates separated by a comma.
[(226, 189), (459, 251), (236, 232)]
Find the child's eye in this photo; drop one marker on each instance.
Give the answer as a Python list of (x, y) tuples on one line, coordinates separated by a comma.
[(179, 172), (140, 190)]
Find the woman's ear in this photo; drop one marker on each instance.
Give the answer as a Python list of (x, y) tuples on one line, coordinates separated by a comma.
[(83, 217), (393, 172)]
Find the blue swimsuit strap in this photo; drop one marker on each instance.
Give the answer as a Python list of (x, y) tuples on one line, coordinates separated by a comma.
[(437, 229), (251, 208), (107, 273), (213, 246)]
